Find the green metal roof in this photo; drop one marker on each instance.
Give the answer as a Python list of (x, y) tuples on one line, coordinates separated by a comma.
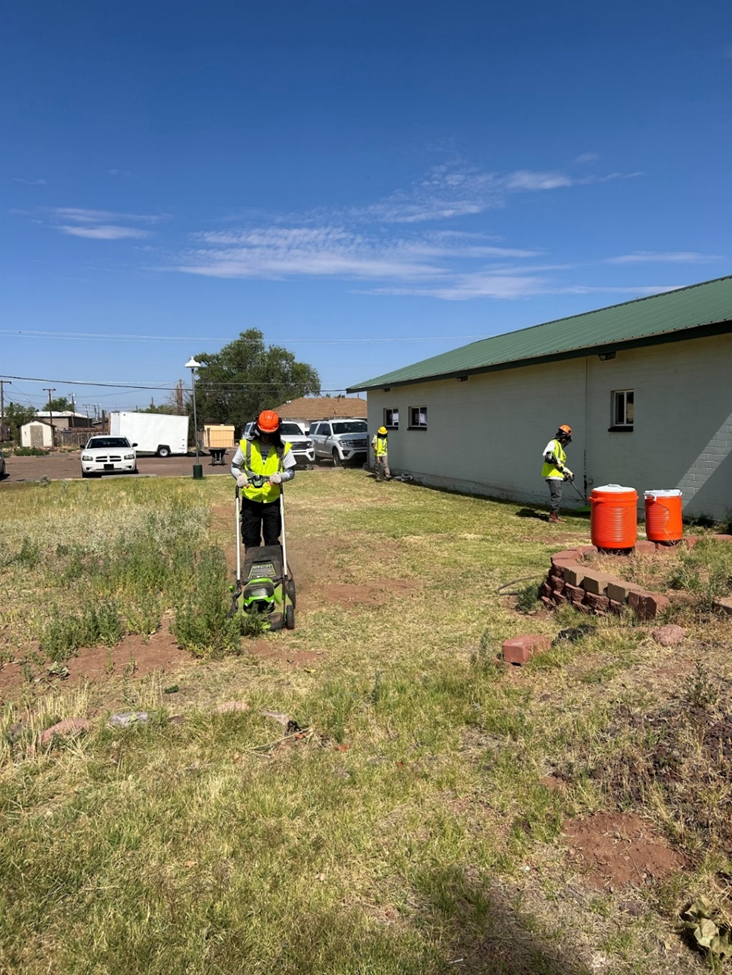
[(638, 322)]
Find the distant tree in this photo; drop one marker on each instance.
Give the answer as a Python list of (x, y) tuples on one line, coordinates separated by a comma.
[(59, 405), (245, 377), (15, 416), (162, 408)]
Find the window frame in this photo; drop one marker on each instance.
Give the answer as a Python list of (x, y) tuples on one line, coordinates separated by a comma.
[(419, 411), (621, 399), (389, 421)]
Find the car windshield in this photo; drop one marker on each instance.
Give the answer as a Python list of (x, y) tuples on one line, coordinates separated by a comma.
[(107, 442), (291, 430), (351, 426)]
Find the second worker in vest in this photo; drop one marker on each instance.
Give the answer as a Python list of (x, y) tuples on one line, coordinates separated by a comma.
[(260, 465), (380, 443), (555, 471)]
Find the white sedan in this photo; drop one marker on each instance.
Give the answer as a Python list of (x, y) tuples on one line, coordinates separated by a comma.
[(105, 455)]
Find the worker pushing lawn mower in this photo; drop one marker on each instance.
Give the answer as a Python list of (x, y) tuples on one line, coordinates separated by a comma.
[(555, 471), (261, 464)]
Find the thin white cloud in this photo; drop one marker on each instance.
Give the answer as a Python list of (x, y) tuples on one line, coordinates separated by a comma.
[(658, 257), (385, 246), (640, 291), (457, 189), (479, 285), (507, 286), (29, 182), (586, 157), (279, 252), (103, 232), (525, 179), (79, 215)]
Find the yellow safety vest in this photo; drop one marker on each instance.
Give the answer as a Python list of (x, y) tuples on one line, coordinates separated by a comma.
[(381, 447), (255, 463), (549, 470)]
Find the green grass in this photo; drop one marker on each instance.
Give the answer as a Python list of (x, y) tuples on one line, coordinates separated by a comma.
[(409, 829)]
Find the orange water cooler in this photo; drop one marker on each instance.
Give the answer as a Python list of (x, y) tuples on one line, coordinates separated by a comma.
[(614, 517), (663, 516)]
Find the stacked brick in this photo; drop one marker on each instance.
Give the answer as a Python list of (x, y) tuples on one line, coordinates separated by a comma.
[(592, 591)]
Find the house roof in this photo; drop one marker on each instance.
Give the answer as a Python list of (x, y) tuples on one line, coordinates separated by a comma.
[(637, 322), (59, 413), (323, 408)]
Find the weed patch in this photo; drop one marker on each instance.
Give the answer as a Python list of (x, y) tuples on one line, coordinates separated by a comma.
[(202, 624), (96, 625)]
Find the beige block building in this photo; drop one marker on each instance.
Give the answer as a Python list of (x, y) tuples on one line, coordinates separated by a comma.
[(645, 387)]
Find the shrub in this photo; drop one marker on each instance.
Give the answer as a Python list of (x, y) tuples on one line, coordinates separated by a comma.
[(29, 452), (96, 625), (202, 624), (527, 597)]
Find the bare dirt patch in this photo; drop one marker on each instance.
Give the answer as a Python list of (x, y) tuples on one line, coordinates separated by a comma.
[(132, 658), (617, 849), (280, 654)]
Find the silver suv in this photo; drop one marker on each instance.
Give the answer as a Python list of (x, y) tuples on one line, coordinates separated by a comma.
[(342, 441), (299, 441)]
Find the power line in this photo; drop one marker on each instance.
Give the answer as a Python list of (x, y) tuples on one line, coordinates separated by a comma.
[(157, 386), (119, 337)]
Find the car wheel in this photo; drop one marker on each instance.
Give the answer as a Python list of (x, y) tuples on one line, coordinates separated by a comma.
[(164, 451), (337, 462)]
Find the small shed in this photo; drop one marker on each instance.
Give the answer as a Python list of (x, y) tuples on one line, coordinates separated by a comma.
[(37, 433)]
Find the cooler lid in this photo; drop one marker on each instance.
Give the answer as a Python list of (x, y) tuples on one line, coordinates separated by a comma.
[(671, 493), (614, 489)]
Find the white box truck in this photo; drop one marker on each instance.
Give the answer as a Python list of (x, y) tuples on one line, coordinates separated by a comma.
[(154, 433)]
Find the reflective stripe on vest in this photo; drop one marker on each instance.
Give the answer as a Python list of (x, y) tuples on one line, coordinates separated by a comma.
[(255, 463), (381, 446), (550, 470)]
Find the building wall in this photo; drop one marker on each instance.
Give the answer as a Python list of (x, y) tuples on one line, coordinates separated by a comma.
[(486, 435)]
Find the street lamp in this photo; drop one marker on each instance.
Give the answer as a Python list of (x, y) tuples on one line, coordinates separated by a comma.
[(193, 365)]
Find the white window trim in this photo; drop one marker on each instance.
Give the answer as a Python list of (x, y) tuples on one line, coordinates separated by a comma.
[(391, 424), (616, 394), (420, 410)]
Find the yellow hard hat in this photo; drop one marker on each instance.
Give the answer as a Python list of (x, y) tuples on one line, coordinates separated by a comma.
[(382, 430)]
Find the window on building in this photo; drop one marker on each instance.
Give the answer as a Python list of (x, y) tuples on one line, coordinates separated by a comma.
[(623, 409), (417, 417), (391, 419)]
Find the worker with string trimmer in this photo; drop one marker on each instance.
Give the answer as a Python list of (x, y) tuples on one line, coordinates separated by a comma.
[(555, 471)]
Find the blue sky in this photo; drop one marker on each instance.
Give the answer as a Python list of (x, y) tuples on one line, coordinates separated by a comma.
[(367, 183)]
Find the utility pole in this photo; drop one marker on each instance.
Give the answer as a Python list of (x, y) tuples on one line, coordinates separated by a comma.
[(3, 384), (50, 414)]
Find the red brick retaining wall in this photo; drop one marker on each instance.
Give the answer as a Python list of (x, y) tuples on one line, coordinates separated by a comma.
[(592, 591)]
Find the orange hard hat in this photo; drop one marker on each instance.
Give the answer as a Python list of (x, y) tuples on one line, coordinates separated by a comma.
[(565, 428), (268, 421)]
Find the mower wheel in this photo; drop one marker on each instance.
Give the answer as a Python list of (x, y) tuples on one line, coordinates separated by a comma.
[(291, 592), (290, 618)]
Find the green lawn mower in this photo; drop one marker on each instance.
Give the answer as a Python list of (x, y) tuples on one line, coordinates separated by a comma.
[(264, 585)]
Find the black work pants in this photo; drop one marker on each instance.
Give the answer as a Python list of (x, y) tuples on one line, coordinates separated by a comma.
[(259, 518)]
